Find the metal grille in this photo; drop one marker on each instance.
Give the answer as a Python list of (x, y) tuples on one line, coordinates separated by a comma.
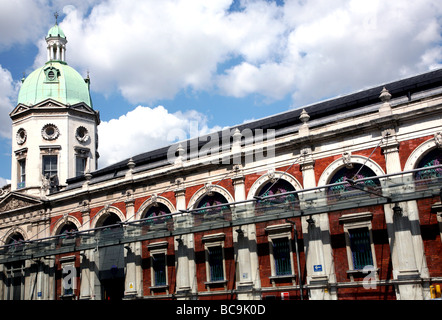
[(360, 248), (281, 254), (159, 267), (216, 263)]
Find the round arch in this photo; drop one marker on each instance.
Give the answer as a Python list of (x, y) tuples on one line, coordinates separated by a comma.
[(336, 165), (265, 179), (105, 213), (419, 153), (146, 205), (12, 233), (197, 196), (62, 222)]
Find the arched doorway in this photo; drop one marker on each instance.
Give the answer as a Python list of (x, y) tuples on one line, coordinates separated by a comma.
[(111, 258), (15, 271)]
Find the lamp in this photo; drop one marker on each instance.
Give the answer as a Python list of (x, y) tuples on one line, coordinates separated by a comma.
[(179, 240), (310, 221), (397, 211), (240, 232)]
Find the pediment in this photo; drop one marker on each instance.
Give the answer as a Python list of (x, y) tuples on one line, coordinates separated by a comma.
[(19, 109), (15, 201)]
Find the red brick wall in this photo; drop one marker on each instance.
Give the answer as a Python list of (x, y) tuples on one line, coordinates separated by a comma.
[(431, 236)]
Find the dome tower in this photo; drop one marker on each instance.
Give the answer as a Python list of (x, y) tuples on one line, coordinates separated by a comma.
[(54, 126)]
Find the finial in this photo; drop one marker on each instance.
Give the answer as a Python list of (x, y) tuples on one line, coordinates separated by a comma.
[(385, 95), (56, 17), (304, 117)]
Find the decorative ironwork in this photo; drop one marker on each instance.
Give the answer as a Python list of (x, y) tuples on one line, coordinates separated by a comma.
[(216, 263), (433, 158), (212, 200), (281, 255), (280, 187), (360, 248), (156, 214), (352, 174)]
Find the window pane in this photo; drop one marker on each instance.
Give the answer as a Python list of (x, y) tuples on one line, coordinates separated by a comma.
[(360, 248), (216, 263), (80, 166), (159, 268), (50, 165), (281, 254)]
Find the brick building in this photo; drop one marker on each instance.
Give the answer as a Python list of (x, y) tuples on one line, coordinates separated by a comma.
[(337, 200)]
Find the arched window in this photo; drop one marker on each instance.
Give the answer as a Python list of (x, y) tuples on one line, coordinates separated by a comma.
[(432, 158), (68, 227), (14, 271), (15, 239), (281, 186), (206, 213), (156, 214), (355, 173), (111, 220), (270, 204)]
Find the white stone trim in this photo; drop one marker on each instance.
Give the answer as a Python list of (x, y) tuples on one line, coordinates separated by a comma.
[(103, 213), (202, 192), (330, 171), (419, 153), (261, 181), (145, 206)]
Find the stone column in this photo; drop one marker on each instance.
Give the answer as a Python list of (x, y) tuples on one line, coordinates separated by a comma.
[(403, 228), (244, 242), (132, 253), (87, 278), (316, 230), (184, 250)]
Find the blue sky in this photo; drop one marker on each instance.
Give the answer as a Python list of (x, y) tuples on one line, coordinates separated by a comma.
[(157, 66)]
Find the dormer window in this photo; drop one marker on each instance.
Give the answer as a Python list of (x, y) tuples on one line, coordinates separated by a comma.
[(51, 74)]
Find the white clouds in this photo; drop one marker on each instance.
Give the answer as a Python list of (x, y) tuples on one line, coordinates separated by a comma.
[(20, 21), (144, 129), (150, 50), (8, 94), (4, 182)]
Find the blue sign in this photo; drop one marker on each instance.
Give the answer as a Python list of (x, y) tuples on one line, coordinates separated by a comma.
[(317, 268)]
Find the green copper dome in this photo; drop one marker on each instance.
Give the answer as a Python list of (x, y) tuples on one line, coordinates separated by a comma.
[(55, 80), (56, 31)]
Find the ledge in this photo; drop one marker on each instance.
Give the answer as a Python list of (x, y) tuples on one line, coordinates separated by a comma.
[(359, 273), (212, 283), (283, 277), (162, 287)]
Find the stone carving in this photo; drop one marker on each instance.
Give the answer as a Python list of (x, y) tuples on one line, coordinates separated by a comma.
[(50, 132), (21, 136), (438, 139), (14, 203), (346, 158)]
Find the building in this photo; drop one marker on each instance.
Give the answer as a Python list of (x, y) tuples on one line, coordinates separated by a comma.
[(338, 200)]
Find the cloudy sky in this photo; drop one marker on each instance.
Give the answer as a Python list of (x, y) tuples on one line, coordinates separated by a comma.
[(161, 67)]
